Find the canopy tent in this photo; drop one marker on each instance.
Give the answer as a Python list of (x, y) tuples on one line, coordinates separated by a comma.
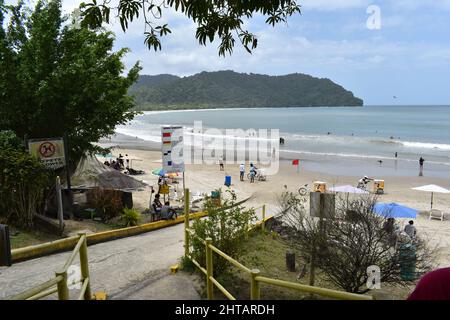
[(348, 189), (91, 173), (433, 189), (394, 210)]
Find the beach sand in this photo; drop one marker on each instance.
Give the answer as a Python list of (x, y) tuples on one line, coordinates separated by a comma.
[(205, 178)]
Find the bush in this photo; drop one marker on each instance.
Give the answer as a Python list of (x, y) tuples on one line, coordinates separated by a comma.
[(344, 246), (22, 182), (227, 226), (107, 203), (130, 217)]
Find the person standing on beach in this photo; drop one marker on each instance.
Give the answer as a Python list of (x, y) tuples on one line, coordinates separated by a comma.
[(221, 163), (242, 171), (421, 161)]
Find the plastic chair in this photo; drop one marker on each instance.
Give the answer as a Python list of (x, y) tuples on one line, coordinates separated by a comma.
[(437, 214)]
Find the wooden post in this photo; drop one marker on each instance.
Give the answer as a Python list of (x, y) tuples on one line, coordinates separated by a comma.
[(263, 225), (255, 291), (60, 204), (186, 222), (84, 262), (63, 290), (209, 269)]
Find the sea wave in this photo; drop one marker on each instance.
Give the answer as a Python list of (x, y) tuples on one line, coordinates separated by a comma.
[(425, 145)]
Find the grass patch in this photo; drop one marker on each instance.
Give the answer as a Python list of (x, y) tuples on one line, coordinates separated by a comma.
[(268, 254), (24, 238)]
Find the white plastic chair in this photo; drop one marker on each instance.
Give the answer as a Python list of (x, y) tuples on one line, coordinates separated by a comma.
[(437, 214)]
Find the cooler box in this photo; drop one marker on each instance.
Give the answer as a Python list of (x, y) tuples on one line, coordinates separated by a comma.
[(228, 181), (320, 186), (378, 186)]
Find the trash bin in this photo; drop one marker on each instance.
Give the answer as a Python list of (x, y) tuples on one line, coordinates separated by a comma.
[(227, 181), (407, 262), (215, 197)]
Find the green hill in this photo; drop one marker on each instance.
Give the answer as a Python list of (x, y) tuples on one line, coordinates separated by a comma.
[(228, 89)]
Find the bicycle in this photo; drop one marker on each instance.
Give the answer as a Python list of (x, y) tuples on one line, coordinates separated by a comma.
[(303, 191)]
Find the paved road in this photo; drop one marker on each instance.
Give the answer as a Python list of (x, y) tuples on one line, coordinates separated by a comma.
[(131, 268)]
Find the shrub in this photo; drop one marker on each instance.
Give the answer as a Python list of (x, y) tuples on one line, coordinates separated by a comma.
[(107, 203), (227, 226), (343, 247), (130, 217), (22, 182)]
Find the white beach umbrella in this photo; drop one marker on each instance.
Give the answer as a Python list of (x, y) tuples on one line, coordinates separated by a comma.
[(348, 189), (433, 189)]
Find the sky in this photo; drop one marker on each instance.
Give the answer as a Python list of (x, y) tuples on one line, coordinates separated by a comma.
[(404, 51)]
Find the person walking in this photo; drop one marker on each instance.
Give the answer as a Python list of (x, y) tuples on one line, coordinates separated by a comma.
[(421, 162), (242, 171)]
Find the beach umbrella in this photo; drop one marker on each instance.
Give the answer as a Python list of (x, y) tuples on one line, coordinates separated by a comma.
[(348, 189), (394, 210), (433, 189), (162, 172), (159, 172)]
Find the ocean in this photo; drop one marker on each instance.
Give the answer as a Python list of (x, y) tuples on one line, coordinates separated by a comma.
[(348, 135)]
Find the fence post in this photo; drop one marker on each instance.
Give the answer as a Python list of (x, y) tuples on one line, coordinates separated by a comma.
[(186, 222), (63, 290), (60, 205), (255, 292), (263, 225), (84, 262), (209, 269)]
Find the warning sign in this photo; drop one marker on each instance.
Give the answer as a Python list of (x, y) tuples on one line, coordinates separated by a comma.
[(49, 151)]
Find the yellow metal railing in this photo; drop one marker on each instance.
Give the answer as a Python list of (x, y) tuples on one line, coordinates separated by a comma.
[(59, 282), (255, 278)]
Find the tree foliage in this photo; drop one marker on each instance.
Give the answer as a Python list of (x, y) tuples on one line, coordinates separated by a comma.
[(231, 89), (346, 244), (214, 18), (57, 80)]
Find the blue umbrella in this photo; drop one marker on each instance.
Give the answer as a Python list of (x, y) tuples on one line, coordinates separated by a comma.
[(394, 210)]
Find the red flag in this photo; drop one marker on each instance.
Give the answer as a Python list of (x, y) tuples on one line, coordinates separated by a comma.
[(295, 162)]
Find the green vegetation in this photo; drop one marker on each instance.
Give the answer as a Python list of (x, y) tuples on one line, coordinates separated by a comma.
[(130, 217), (214, 18), (228, 89), (227, 229), (56, 80), (22, 182)]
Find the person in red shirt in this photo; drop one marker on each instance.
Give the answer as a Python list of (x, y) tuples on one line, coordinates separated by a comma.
[(434, 285)]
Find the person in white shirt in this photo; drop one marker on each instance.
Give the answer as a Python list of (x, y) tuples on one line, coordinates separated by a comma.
[(242, 171)]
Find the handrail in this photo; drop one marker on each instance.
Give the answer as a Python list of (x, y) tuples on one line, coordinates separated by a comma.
[(75, 251), (60, 280), (230, 260), (222, 289), (37, 289), (255, 278), (316, 290)]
